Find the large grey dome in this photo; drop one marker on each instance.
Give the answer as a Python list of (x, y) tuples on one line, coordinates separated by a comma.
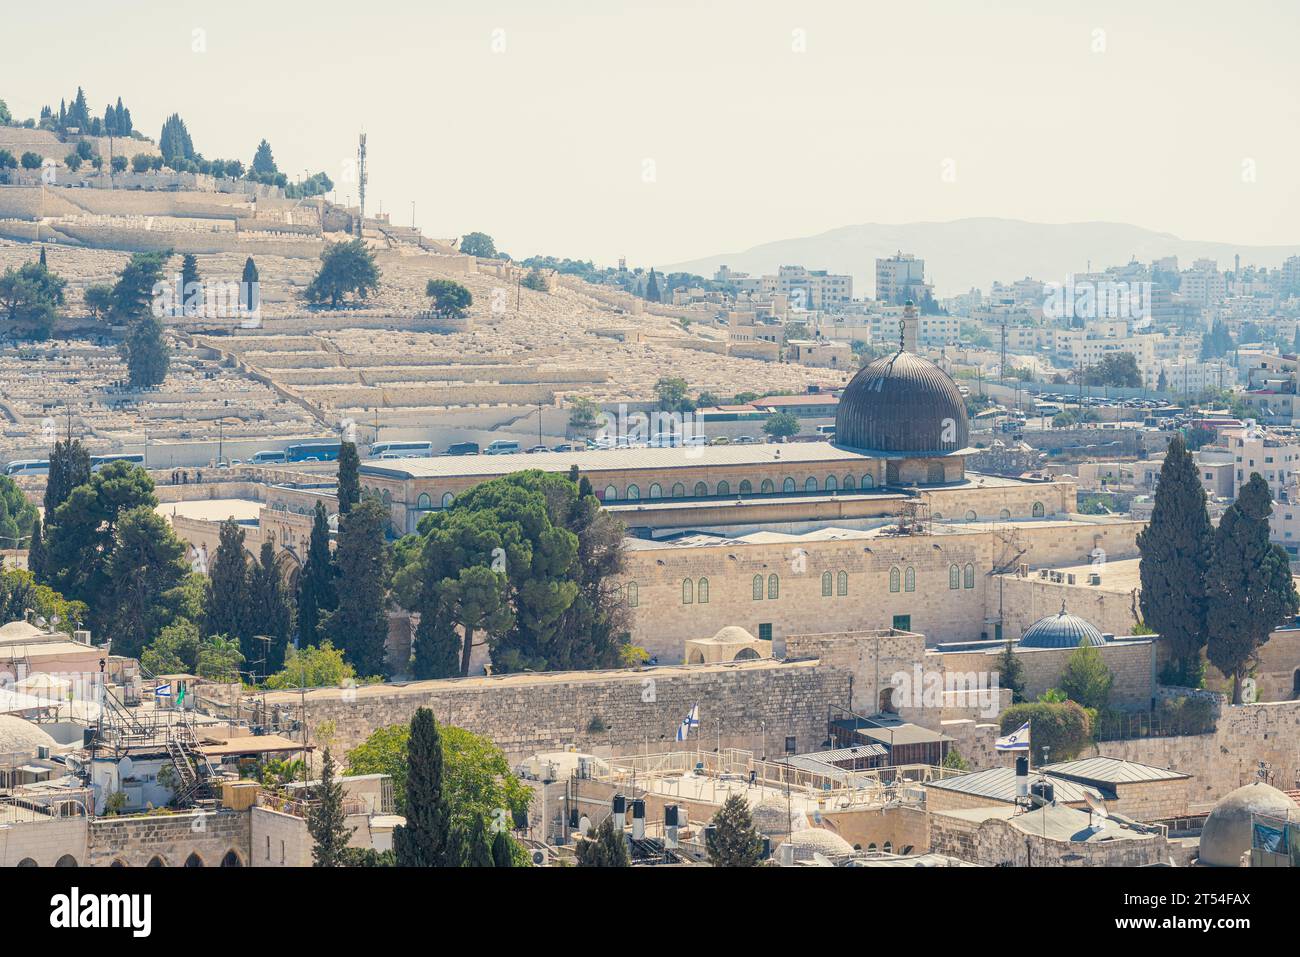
[(1226, 835), (1061, 630), (902, 403)]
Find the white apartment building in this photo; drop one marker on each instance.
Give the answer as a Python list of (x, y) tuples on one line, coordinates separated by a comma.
[(899, 278)]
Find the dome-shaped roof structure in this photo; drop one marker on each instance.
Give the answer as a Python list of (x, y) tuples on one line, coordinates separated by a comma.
[(1061, 630), (770, 817), (902, 403), (817, 840), (1226, 835), (730, 634), (22, 737)]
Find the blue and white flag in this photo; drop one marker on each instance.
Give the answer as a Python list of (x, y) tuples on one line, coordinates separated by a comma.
[(692, 720), (162, 691), (694, 717), (1017, 740)]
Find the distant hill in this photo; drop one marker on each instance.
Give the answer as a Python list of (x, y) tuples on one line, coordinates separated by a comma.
[(969, 253)]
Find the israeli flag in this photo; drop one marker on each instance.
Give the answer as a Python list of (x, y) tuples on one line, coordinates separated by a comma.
[(162, 691), (1017, 740), (692, 720), (694, 717)]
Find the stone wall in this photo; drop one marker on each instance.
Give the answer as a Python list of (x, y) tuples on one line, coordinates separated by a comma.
[(1025, 600), (44, 841), (752, 705), (994, 841), (171, 837)]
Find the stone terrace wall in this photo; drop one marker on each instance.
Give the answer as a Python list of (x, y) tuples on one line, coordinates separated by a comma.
[(755, 705), (173, 837)]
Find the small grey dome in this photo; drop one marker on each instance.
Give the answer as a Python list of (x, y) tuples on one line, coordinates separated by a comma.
[(1061, 630), (1226, 835)]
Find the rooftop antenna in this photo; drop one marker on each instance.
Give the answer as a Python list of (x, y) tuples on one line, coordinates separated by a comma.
[(361, 181)]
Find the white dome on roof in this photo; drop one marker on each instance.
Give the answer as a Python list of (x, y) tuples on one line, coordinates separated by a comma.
[(1227, 832), (731, 634), (818, 840), (22, 737), (18, 630)]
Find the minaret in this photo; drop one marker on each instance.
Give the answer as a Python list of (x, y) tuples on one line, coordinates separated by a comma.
[(907, 328)]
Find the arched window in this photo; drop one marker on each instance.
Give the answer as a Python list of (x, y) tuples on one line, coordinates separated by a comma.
[(424, 501), (633, 594), (868, 481), (231, 860), (842, 583), (968, 577), (701, 489), (387, 499), (832, 483), (936, 516), (826, 584), (447, 499), (67, 860), (810, 484), (768, 487), (850, 483), (787, 485), (871, 846), (909, 579), (894, 578), (28, 862), (970, 515), (1004, 514), (633, 493), (1038, 510), (773, 586), (156, 861), (888, 847), (702, 591), (194, 860), (611, 493), (746, 487), (656, 490), (758, 588), (679, 490), (688, 591), (954, 576), (724, 488)]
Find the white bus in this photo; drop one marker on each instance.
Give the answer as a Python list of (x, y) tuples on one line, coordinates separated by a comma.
[(268, 457), (97, 462), (401, 450), (28, 467)]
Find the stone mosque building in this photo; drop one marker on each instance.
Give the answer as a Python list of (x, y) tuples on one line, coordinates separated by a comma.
[(884, 528)]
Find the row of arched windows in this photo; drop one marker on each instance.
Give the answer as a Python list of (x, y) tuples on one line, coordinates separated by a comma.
[(425, 502), (906, 577), (840, 581), (746, 487), (773, 587), (692, 592), (959, 578)]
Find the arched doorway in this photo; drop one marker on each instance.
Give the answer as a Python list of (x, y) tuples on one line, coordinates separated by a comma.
[(156, 861), (27, 862), (118, 863), (194, 860), (746, 654), (67, 860), (231, 860), (887, 701)]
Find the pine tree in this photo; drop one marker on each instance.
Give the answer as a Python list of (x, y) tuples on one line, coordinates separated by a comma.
[(734, 842), (264, 160), (349, 477), (326, 822), (69, 467), (478, 852), (425, 840), (228, 599), (1250, 588), (1175, 549), (1011, 673), (272, 610), (317, 596), (1086, 679), (359, 623), (607, 849), (502, 855)]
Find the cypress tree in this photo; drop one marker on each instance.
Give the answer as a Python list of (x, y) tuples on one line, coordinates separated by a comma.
[(69, 467), (326, 821), (316, 593), (437, 646), (1175, 550), (272, 611), (1011, 673), (228, 599), (359, 623), (36, 552), (734, 842), (250, 285), (349, 477), (147, 353), (44, 264), (425, 840), (607, 849), (1250, 588), (189, 279), (501, 850), (478, 852)]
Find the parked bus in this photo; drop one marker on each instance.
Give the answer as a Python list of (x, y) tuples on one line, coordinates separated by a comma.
[(268, 457), (28, 467), (97, 462), (401, 450), (325, 451)]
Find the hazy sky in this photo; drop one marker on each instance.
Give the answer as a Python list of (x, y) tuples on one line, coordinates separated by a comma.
[(668, 130)]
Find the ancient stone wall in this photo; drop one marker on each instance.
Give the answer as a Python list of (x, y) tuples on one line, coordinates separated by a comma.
[(136, 840)]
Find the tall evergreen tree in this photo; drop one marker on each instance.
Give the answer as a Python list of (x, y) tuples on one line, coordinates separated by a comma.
[(1250, 588), (317, 596), (272, 610), (327, 822), (425, 839), (652, 287), (607, 849), (349, 477), (249, 291), (147, 353), (228, 611), (36, 553), (1011, 673), (437, 644), (69, 467), (501, 850), (1175, 549), (478, 852), (146, 563), (359, 623), (191, 289), (734, 842)]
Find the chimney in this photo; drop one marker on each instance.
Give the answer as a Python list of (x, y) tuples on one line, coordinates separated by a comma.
[(638, 819), (620, 811), (670, 825), (1022, 776)]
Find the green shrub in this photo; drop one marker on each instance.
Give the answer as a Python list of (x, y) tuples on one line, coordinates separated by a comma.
[(1063, 727)]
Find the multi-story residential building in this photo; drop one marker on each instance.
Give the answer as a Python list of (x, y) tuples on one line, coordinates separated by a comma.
[(899, 278)]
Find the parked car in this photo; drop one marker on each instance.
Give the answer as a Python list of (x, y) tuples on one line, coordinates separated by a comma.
[(501, 447)]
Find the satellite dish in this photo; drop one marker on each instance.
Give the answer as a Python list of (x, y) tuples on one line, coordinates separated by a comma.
[(1096, 805), (584, 825), (125, 767), (54, 619)]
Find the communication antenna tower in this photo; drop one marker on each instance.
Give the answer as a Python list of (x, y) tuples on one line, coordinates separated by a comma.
[(361, 181)]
